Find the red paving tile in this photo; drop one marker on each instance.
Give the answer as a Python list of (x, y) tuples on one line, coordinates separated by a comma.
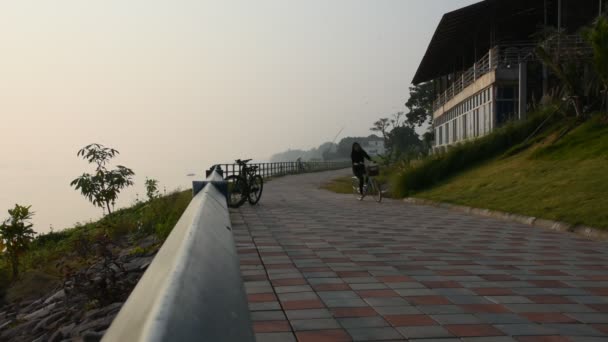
[(353, 312), (288, 282), (485, 308), (441, 284), (377, 293), (473, 330), (598, 291), (601, 327), (499, 277), (303, 304), (352, 274), (453, 272), (331, 287), (547, 317), (261, 297), (428, 300), (550, 300), (493, 291), (279, 266), (323, 336), (548, 283), (542, 339), (256, 277), (395, 279), (603, 308), (409, 320), (271, 326)]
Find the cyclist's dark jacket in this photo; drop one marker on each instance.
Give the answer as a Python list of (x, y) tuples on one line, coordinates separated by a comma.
[(359, 156)]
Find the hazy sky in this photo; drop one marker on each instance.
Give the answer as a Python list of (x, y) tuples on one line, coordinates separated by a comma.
[(177, 85)]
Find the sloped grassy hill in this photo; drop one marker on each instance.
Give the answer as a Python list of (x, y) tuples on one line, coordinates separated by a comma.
[(563, 179)]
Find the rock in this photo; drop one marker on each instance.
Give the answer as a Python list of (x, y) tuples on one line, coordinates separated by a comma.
[(55, 297), (40, 313), (96, 325), (57, 336), (5, 324), (92, 336), (47, 322), (41, 338), (138, 264), (105, 311)]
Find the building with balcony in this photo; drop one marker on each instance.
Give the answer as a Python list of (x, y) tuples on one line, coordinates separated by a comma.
[(482, 64)]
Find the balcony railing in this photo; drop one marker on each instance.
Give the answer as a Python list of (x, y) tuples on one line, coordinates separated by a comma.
[(510, 55)]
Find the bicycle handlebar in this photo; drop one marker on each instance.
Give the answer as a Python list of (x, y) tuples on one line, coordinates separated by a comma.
[(242, 162)]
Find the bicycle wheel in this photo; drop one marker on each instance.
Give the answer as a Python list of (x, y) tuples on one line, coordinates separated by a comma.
[(256, 185), (237, 191), (373, 189), (356, 192)]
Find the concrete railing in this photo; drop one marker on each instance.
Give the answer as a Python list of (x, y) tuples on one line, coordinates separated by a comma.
[(193, 289)]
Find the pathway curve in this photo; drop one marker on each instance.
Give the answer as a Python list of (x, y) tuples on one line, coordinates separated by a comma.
[(319, 266)]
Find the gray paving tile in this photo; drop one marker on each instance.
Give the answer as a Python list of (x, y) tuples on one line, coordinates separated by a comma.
[(590, 317), (363, 322), (374, 334), (575, 330), (397, 310), (456, 319), (526, 329), (424, 332), (315, 324), (275, 337), (268, 316), (386, 301), (345, 303), (308, 314), (501, 318)]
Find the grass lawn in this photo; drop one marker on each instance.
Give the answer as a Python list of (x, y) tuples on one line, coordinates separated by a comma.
[(565, 181), (342, 185)]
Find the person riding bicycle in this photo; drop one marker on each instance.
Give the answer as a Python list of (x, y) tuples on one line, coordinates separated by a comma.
[(358, 156)]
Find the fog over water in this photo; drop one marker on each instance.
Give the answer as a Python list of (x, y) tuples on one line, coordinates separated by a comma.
[(179, 85)]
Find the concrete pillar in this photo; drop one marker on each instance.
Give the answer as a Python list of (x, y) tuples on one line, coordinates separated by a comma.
[(523, 90)]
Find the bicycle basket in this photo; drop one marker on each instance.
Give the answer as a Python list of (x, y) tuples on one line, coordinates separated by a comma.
[(373, 170)]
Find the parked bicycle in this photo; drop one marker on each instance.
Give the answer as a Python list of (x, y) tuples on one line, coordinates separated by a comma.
[(370, 185), (247, 186)]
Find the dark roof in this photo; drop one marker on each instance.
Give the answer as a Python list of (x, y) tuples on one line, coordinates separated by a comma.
[(465, 35)]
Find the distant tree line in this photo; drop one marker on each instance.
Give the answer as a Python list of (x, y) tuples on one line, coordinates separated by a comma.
[(325, 152)]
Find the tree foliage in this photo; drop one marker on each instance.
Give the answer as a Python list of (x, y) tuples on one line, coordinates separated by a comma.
[(102, 187), (420, 104), (16, 233), (151, 188), (597, 36)]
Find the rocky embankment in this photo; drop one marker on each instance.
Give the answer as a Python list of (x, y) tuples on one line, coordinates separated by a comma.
[(83, 307)]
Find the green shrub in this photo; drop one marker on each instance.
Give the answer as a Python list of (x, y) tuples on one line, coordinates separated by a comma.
[(438, 168)]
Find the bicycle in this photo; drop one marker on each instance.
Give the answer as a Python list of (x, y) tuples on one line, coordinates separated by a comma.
[(247, 186), (370, 185)]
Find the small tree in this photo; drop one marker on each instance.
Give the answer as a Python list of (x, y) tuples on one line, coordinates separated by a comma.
[(16, 233), (103, 187), (152, 188)]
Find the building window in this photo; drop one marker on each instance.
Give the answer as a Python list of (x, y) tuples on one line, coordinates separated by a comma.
[(464, 127)]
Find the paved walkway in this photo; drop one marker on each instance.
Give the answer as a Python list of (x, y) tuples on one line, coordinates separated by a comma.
[(324, 267)]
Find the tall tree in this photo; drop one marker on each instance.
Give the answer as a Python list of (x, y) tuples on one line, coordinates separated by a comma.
[(382, 126), (420, 104), (404, 139), (16, 233)]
